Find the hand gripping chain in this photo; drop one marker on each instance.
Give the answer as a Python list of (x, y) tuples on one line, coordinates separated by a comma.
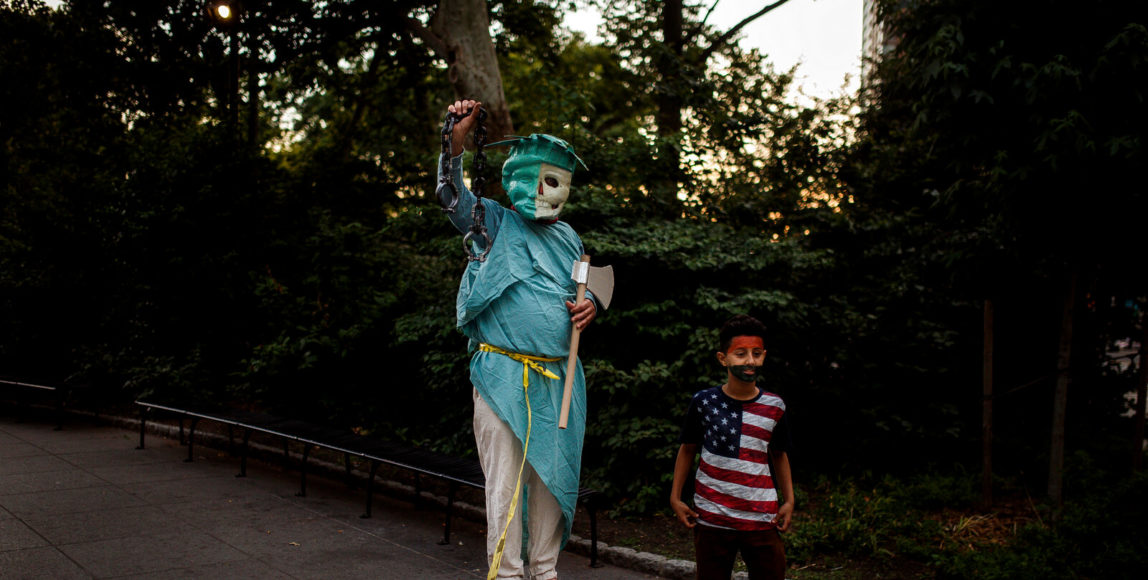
[(478, 212)]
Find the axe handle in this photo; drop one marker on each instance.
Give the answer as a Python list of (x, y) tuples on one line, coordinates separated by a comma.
[(572, 360)]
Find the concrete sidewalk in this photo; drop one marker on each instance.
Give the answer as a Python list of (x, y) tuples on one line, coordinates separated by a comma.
[(85, 503)]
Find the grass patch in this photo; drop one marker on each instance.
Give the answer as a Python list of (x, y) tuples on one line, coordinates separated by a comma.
[(929, 526)]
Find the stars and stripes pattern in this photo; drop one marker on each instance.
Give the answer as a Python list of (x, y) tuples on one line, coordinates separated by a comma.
[(734, 488)]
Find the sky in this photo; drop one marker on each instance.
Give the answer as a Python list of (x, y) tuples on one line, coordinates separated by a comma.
[(822, 37)]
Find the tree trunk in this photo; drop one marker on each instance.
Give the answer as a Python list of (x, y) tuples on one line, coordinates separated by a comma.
[(233, 84), (987, 410), (253, 66), (359, 107), (670, 103), (1141, 395), (1060, 398), (463, 28)]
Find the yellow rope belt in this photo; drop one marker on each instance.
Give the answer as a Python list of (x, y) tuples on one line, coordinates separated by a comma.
[(528, 362)]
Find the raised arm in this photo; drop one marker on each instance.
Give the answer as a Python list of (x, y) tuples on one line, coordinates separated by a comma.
[(461, 217)]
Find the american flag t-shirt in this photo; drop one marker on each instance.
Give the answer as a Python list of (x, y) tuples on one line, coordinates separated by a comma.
[(734, 487)]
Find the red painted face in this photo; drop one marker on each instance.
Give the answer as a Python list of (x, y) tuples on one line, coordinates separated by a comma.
[(747, 342), (744, 357)]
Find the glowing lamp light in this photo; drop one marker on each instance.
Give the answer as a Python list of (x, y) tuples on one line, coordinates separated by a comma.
[(224, 13)]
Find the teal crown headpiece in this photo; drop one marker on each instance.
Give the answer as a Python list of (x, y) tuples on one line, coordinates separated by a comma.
[(540, 148)]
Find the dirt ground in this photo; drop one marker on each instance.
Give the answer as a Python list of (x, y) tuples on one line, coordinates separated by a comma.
[(964, 530), (663, 535)]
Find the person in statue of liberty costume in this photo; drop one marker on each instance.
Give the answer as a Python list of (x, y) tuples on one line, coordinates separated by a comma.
[(517, 308)]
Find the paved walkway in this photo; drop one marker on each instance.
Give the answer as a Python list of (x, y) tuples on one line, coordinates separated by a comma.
[(84, 503)]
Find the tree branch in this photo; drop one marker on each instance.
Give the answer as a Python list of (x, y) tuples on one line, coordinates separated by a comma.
[(708, 14), (723, 39), (431, 39), (696, 30)]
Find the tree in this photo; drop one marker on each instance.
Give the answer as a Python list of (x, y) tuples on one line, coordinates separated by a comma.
[(673, 44), (62, 145), (1000, 141)]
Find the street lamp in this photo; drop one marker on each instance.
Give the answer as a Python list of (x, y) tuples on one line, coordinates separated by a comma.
[(228, 16), (225, 15)]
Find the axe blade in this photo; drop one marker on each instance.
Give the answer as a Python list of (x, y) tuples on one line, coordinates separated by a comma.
[(600, 281)]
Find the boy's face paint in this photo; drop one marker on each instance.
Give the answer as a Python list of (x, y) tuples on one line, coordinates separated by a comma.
[(744, 358), (747, 373)]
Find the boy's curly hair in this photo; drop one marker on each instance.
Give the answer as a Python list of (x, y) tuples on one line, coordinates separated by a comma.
[(740, 325)]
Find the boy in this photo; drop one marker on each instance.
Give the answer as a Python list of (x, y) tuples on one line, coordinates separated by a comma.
[(741, 431), (517, 308)]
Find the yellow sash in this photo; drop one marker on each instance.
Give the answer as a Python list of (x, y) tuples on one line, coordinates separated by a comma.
[(528, 362)]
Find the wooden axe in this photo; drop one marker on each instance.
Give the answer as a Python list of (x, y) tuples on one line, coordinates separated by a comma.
[(601, 283)]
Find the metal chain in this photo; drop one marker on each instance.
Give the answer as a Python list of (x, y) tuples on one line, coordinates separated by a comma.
[(478, 167), (478, 184), (446, 176)]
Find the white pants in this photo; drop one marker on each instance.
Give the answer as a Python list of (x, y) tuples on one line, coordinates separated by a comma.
[(500, 453)]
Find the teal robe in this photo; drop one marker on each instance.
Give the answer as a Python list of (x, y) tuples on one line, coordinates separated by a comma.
[(516, 300)]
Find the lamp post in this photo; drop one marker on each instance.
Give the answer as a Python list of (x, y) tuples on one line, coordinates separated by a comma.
[(225, 14)]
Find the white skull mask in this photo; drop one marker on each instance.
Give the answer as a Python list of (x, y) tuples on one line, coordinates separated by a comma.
[(553, 190)]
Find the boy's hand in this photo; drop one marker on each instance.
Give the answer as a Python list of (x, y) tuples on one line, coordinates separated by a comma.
[(464, 125), (685, 515), (582, 313), (784, 516)]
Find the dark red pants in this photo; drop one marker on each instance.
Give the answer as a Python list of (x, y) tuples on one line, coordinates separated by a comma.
[(716, 550)]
